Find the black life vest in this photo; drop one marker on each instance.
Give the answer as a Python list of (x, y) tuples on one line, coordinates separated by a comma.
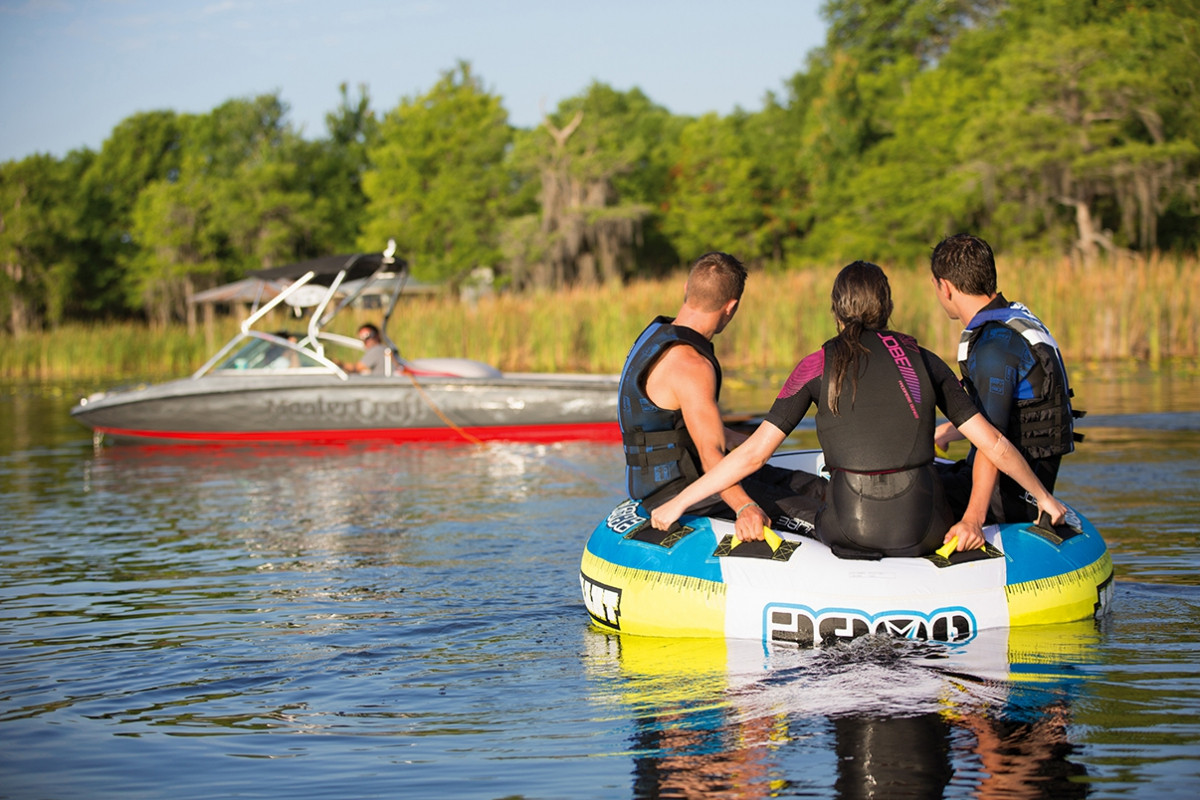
[(1043, 425), (660, 458)]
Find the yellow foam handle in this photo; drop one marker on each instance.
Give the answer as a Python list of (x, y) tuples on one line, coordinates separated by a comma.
[(773, 539), (945, 550), (941, 452)]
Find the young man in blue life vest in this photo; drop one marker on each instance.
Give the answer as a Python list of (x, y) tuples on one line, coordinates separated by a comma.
[(1011, 366), (671, 424)]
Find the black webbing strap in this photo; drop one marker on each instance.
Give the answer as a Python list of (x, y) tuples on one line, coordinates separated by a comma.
[(644, 457)]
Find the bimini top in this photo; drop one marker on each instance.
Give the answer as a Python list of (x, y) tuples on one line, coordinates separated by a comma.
[(327, 268)]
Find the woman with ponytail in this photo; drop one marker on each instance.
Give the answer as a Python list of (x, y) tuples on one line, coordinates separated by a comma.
[(877, 393)]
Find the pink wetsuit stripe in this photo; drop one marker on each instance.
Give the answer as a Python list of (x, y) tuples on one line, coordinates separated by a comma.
[(810, 367)]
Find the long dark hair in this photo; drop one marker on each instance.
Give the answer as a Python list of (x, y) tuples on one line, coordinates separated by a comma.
[(861, 301)]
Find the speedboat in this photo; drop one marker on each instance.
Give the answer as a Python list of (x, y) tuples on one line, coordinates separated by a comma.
[(698, 580), (278, 387)]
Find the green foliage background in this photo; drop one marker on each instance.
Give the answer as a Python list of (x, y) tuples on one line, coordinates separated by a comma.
[(1054, 130)]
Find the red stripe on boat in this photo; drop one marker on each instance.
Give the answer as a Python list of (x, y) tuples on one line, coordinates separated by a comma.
[(592, 431)]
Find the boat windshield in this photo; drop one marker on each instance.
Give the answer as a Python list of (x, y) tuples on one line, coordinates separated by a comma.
[(266, 354)]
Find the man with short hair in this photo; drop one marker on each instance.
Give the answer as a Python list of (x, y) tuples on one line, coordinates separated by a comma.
[(671, 423), (1011, 366)]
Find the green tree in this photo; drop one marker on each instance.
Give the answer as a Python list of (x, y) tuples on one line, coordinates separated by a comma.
[(39, 238), (881, 33), (876, 55), (142, 149), (1075, 139), (873, 51), (437, 178), (910, 189), (601, 160), (774, 140), (334, 167), (714, 201), (178, 244), (234, 133), (1035, 124), (266, 213), (238, 201)]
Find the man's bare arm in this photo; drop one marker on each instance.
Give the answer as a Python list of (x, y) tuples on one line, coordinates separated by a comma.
[(686, 380)]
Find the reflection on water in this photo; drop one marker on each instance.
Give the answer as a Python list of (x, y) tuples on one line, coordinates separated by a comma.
[(872, 717), (375, 622)]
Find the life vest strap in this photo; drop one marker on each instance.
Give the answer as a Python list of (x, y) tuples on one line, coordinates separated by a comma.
[(650, 449)]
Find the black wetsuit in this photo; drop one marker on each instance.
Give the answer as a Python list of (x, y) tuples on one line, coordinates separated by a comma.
[(884, 495)]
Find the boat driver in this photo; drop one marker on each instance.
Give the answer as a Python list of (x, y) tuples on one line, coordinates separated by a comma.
[(374, 355)]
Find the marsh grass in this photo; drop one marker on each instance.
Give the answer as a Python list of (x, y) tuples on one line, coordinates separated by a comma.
[(1143, 310)]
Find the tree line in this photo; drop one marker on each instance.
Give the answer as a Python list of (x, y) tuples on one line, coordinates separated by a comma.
[(1048, 128)]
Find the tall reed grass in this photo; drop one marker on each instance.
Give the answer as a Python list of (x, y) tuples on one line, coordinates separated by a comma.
[(1135, 309)]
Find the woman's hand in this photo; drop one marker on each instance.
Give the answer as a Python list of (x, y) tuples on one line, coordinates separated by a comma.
[(750, 523), (943, 435), (968, 532), (665, 515), (1051, 506)]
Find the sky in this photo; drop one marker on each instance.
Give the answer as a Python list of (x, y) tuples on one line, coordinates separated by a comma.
[(70, 70)]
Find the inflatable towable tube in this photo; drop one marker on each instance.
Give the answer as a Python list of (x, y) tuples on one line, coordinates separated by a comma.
[(700, 581)]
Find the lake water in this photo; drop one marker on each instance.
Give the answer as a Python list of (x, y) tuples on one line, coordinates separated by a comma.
[(406, 622)]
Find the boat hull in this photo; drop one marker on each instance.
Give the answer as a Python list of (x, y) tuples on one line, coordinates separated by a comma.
[(231, 408), (695, 584)]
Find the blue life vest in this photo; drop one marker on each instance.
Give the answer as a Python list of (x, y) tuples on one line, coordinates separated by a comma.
[(660, 458), (1043, 425)]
